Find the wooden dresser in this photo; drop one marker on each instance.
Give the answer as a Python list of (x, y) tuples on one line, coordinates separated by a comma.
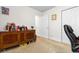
[(10, 39)]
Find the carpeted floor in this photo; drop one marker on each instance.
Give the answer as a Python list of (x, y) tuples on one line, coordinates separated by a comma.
[(42, 45)]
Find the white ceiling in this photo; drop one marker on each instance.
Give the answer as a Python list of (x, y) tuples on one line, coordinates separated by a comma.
[(42, 8)]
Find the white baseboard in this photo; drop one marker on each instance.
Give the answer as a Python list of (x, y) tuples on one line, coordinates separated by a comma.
[(53, 38)]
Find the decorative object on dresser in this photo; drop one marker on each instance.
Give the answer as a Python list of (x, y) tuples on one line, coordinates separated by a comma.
[(10, 27), (13, 27), (32, 27), (17, 28), (7, 26), (22, 28)]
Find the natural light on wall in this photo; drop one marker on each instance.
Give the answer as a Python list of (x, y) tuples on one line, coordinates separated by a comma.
[(37, 18)]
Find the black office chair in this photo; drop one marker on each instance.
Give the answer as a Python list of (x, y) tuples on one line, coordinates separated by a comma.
[(73, 39)]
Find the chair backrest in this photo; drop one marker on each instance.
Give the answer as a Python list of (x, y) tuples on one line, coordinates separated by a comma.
[(69, 32)]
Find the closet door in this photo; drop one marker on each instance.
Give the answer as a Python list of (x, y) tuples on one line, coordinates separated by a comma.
[(70, 17), (44, 26)]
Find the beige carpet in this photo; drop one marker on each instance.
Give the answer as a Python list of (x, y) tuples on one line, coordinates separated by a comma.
[(42, 45)]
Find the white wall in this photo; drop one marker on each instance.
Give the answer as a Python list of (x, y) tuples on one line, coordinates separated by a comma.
[(54, 26), (20, 15)]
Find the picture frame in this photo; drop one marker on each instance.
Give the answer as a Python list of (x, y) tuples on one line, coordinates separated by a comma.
[(5, 10), (54, 16)]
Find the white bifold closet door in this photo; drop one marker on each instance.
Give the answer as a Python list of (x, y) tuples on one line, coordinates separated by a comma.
[(70, 17)]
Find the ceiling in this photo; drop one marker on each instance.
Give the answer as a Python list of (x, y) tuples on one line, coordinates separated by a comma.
[(42, 8)]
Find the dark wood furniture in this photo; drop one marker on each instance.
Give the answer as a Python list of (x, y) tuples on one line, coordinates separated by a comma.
[(10, 39)]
